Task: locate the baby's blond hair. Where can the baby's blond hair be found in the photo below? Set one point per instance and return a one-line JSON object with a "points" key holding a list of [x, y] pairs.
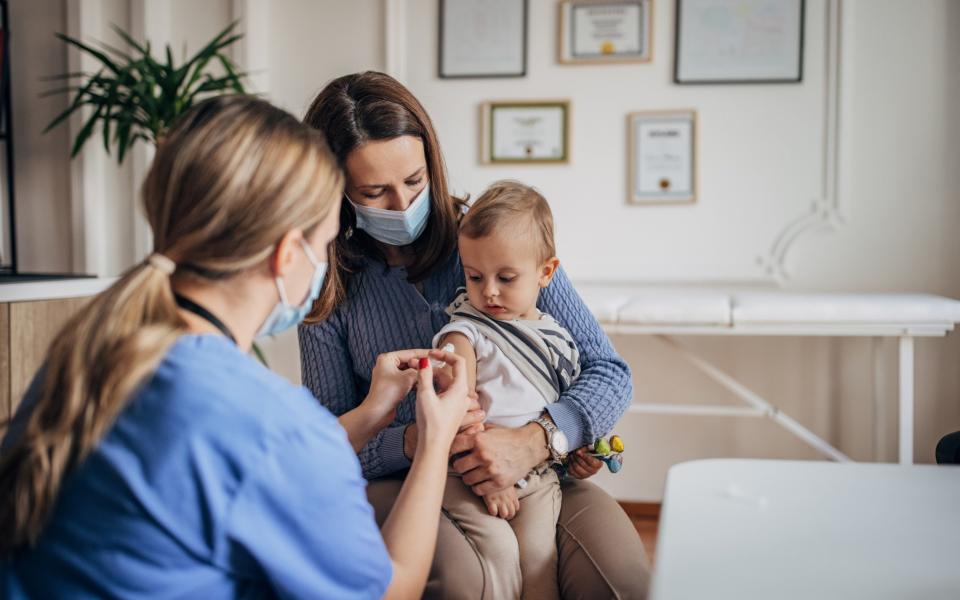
{"points": [[512, 204]]}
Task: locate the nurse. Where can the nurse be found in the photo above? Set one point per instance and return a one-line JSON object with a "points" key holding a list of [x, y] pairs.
{"points": [[152, 457]]}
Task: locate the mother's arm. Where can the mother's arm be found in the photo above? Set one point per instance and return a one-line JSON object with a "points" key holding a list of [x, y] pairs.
{"points": [[327, 371], [603, 391]]}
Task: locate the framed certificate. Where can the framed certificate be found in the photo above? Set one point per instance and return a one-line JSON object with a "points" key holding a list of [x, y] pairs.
{"points": [[750, 41], [526, 132], [593, 31], [663, 157], [483, 38]]}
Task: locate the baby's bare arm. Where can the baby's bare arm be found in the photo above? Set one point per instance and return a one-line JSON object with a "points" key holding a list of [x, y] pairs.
{"points": [[462, 347]]}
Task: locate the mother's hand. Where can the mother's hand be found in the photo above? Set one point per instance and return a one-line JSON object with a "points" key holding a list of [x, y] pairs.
{"points": [[499, 457]]}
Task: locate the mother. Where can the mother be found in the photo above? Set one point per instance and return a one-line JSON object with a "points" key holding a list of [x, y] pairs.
{"points": [[397, 268]]}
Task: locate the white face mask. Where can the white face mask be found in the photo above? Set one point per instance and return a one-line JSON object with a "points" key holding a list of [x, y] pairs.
{"points": [[395, 227]]}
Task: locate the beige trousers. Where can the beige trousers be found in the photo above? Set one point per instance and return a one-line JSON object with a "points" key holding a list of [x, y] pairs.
{"points": [[600, 554], [520, 554]]}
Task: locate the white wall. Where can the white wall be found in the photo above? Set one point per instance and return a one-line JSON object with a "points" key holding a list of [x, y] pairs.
{"points": [[313, 42], [759, 146], [762, 164]]}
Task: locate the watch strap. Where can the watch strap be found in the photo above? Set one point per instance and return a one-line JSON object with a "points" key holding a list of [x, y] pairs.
{"points": [[550, 428]]}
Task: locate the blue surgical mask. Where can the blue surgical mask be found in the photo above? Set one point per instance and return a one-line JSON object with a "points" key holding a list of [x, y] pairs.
{"points": [[285, 315], [395, 227]]}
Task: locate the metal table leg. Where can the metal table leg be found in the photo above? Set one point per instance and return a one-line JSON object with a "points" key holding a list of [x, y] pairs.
{"points": [[906, 400]]}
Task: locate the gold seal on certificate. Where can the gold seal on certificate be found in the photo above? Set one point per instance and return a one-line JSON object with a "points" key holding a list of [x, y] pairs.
{"points": [[662, 157], [593, 31], [526, 132]]}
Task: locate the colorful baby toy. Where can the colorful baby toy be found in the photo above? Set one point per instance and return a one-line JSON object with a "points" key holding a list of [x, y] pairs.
{"points": [[609, 451]]}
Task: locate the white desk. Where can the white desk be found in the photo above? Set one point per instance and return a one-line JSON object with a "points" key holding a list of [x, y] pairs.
{"points": [[677, 311], [764, 529]]}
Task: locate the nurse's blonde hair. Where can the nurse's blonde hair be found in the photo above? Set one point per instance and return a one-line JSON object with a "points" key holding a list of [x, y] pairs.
{"points": [[227, 183]]}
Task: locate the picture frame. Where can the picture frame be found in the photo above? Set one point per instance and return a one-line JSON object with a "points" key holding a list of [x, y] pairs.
{"points": [[525, 132], [482, 38], [662, 157], [595, 32], [755, 41]]}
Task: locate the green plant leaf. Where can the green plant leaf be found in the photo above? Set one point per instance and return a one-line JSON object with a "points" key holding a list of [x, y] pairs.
{"points": [[199, 61], [216, 43], [85, 131], [90, 50], [258, 352], [136, 96], [117, 51], [58, 91], [123, 140], [78, 101], [63, 76], [235, 82], [128, 39]]}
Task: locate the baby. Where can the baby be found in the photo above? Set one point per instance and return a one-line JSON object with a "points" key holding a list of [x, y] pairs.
{"points": [[519, 360]]}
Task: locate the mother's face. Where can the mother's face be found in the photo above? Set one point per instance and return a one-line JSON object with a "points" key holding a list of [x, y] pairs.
{"points": [[387, 174]]}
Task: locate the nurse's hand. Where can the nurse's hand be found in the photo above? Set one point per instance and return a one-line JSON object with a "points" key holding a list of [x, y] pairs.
{"points": [[472, 423], [393, 376], [439, 415]]}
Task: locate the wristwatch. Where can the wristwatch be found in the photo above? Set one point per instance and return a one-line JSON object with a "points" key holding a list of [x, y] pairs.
{"points": [[557, 442]]}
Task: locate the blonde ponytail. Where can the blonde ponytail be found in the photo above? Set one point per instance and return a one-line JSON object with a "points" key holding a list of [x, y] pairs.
{"points": [[92, 368], [227, 183]]}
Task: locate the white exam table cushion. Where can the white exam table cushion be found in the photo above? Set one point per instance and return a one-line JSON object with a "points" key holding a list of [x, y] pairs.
{"points": [[657, 306], [791, 307], [711, 307], [604, 302], [677, 308]]}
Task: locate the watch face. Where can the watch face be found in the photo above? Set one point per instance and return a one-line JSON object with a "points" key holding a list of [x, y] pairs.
{"points": [[559, 442]]}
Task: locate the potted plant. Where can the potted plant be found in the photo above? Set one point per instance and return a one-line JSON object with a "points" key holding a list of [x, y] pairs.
{"points": [[137, 97]]}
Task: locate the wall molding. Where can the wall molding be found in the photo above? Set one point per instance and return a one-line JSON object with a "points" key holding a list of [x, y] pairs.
{"points": [[252, 51], [87, 175], [395, 38], [149, 20], [824, 212]]}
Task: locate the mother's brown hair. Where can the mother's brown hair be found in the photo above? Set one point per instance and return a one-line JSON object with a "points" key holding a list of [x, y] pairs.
{"points": [[228, 182], [351, 111]]}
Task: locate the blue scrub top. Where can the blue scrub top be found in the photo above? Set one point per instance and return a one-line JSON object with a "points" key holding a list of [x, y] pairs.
{"points": [[218, 480]]}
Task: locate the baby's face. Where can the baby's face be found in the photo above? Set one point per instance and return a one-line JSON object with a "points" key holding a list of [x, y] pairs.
{"points": [[504, 275]]}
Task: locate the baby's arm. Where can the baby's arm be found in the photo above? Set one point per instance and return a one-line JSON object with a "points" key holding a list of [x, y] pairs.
{"points": [[462, 347], [503, 504]]}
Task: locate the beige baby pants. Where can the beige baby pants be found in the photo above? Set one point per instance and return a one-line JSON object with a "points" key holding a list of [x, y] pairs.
{"points": [[520, 554]]}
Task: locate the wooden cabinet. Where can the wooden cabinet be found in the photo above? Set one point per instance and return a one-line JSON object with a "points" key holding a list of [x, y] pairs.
{"points": [[26, 330]]}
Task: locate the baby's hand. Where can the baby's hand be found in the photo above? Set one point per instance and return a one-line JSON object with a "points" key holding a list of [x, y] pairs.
{"points": [[503, 504]]}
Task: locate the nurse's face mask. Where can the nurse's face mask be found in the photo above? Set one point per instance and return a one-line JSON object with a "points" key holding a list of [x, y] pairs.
{"points": [[395, 227], [285, 315]]}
